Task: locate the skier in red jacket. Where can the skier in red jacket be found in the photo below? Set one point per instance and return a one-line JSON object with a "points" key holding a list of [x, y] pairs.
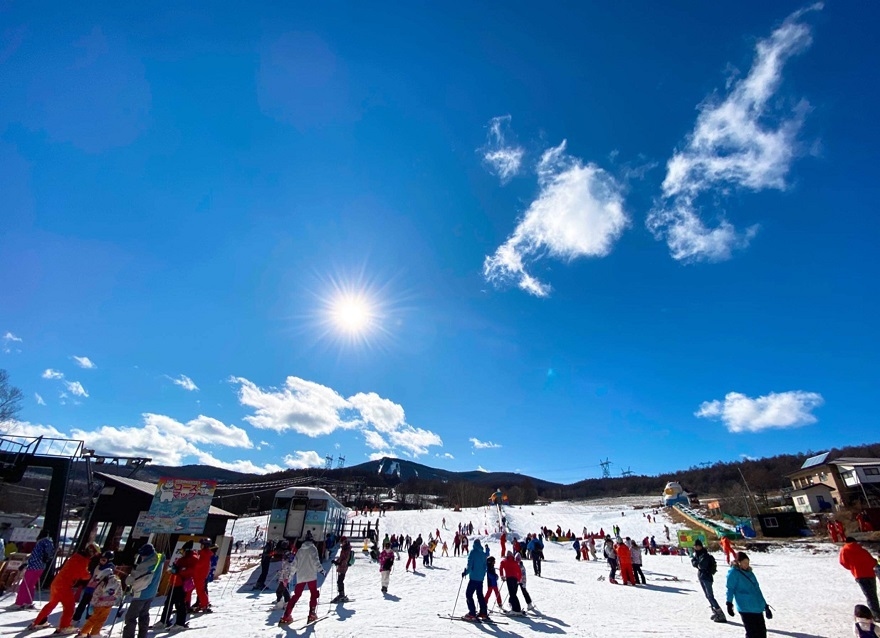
{"points": [[861, 564], [624, 560]]}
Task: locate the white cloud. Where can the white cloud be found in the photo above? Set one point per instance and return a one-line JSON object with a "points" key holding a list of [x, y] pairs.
{"points": [[378, 456], [202, 429], [740, 413], [40, 400], [314, 410], [503, 158], [8, 339], [26, 429], [578, 213], [480, 468], [445, 455], [300, 460], [76, 389], [49, 373], [184, 382], [383, 414], [741, 140], [374, 440], [248, 467], [84, 362], [415, 440], [483, 445], [302, 406]]}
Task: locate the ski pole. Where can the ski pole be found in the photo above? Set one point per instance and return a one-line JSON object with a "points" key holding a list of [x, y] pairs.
{"points": [[116, 617], [456, 596]]}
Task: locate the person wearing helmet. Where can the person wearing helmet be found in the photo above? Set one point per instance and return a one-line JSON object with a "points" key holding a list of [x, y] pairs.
{"points": [[98, 563]]}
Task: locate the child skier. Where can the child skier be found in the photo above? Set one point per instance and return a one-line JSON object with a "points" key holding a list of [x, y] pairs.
{"points": [[492, 581], [107, 592], [522, 583], [386, 562], [865, 627], [283, 590], [624, 559], [637, 563]]}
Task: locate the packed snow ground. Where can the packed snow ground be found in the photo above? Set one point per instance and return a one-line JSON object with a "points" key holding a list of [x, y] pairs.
{"points": [[812, 595]]}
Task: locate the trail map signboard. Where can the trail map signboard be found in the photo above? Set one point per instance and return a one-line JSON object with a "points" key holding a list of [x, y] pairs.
{"points": [[686, 538], [180, 506]]}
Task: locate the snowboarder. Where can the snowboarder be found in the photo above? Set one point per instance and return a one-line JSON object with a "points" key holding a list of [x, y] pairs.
{"points": [[706, 568], [342, 562], [306, 567], [476, 572], [742, 586], [386, 562], [861, 564], [144, 584]]}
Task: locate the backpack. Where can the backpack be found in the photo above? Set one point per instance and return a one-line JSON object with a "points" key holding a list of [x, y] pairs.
{"points": [[711, 565], [350, 559]]}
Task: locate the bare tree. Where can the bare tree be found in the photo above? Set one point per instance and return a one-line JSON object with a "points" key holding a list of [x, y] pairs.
{"points": [[10, 400]]}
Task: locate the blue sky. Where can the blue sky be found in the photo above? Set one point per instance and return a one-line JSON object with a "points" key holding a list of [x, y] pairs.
{"points": [[521, 237]]}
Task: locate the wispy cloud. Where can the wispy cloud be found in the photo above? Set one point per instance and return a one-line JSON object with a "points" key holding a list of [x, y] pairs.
{"points": [[84, 362], [743, 140], [578, 213], [445, 455], [480, 468], [76, 389], [483, 445], [503, 158], [741, 413], [8, 339], [184, 382], [315, 410], [39, 399], [49, 373]]}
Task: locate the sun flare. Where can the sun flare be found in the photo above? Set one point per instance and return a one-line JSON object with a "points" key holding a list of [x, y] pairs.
{"points": [[352, 314]]}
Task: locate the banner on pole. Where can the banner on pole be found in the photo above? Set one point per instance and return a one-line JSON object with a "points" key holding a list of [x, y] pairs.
{"points": [[686, 538], [180, 506]]}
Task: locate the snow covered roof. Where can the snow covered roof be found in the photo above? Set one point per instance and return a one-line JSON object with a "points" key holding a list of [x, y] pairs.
{"points": [[150, 488]]}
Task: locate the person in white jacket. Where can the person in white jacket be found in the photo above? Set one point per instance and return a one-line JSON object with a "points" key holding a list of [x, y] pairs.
{"points": [[306, 567], [637, 562]]}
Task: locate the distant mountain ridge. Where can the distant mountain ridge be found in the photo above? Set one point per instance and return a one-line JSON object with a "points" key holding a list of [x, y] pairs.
{"points": [[404, 470]]}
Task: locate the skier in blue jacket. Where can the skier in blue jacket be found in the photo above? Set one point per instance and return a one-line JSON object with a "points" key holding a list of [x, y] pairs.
{"points": [[476, 572], [742, 586]]}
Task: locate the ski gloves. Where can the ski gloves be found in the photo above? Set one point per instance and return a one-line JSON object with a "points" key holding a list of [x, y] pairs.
{"points": [[730, 609], [768, 613]]}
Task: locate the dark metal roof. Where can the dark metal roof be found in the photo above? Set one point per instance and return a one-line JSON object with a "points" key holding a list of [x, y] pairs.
{"points": [[150, 488]]}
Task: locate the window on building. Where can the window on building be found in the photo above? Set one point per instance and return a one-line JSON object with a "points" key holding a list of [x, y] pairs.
{"points": [[771, 521], [801, 500], [845, 475], [872, 471]]}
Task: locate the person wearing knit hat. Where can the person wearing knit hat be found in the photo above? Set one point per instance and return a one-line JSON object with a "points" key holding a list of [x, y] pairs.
{"points": [[143, 583], [706, 568], [743, 587]]}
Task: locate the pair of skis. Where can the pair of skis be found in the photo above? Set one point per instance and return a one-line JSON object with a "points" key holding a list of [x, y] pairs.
{"points": [[487, 621]]}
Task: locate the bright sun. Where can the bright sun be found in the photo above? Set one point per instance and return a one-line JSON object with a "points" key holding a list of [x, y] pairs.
{"points": [[352, 314]]}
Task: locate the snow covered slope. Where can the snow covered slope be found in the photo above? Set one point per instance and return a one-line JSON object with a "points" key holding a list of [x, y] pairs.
{"points": [[813, 596]]}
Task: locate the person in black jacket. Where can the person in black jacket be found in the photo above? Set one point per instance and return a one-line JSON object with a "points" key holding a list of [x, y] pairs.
{"points": [[265, 559], [706, 568], [413, 553]]}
